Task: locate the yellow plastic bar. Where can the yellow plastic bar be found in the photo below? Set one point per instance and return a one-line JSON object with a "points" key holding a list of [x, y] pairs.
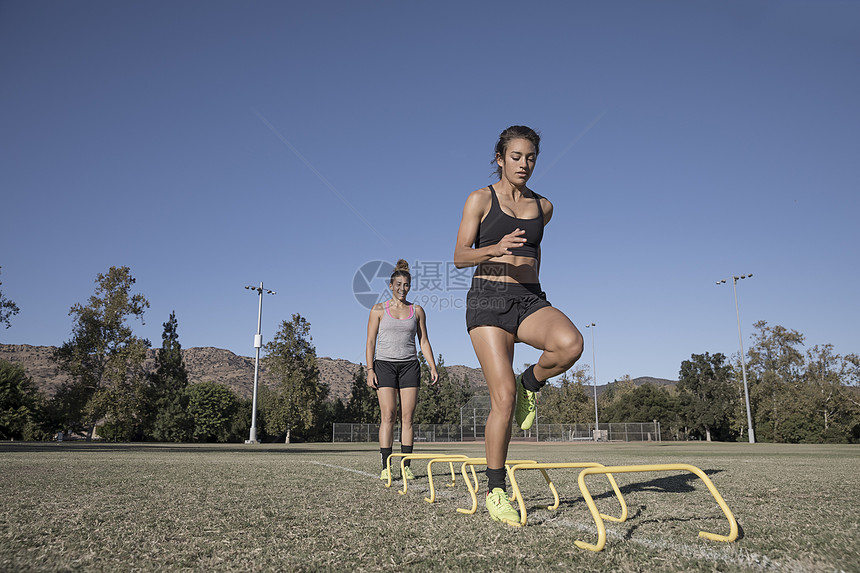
{"points": [[471, 463], [388, 465], [561, 465], [598, 521], [447, 458], [431, 457], [414, 456]]}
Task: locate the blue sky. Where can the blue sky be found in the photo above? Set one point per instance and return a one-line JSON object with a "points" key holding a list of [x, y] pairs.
{"points": [[210, 145]]}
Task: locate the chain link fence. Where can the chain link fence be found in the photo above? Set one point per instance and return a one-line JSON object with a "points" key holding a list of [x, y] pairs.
{"points": [[473, 418], [473, 430]]}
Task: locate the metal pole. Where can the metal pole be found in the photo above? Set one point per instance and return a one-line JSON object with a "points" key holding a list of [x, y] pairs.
{"points": [[735, 279], [594, 380], [258, 343], [743, 362]]}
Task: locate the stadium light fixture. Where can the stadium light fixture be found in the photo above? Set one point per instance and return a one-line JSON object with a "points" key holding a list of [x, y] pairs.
{"points": [[735, 279], [593, 378], [258, 343]]}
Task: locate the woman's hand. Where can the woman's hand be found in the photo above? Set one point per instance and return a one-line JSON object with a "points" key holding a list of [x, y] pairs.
{"points": [[434, 376], [510, 241], [372, 382]]}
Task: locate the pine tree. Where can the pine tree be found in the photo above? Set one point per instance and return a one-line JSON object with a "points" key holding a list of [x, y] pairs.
{"points": [[427, 408], [453, 393], [363, 405], [169, 418], [440, 403]]}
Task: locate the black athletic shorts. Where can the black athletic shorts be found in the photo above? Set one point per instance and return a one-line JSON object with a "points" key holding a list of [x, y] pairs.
{"points": [[506, 305], [397, 374]]}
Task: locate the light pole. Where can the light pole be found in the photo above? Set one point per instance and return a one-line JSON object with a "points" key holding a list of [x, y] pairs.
{"points": [[735, 280], [258, 343], [594, 378]]}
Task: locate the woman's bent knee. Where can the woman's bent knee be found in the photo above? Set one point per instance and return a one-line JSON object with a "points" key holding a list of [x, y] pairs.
{"points": [[569, 350]]}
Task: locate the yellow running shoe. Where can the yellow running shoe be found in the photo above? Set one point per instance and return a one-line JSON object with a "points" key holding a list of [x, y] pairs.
{"points": [[526, 408], [384, 476], [407, 473], [500, 507]]}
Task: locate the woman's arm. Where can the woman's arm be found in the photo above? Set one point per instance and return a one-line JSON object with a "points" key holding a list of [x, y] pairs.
{"points": [[465, 255], [370, 350], [547, 210], [424, 342], [546, 207]]}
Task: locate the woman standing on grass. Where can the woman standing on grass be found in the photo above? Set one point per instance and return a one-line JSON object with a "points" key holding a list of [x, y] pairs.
{"points": [[393, 369], [500, 234]]}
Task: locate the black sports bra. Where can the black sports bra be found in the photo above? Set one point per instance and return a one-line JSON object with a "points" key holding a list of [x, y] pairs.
{"points": [[497, 224]]}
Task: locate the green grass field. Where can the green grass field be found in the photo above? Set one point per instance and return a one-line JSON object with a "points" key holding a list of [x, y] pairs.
{"points": [[311, 507]]}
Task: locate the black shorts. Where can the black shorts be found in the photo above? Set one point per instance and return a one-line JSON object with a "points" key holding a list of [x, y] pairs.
{"points": [[505, 305], [397, 374]]}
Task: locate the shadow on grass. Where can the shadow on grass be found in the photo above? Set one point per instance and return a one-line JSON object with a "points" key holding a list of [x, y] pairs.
{"points": [[720, 519], [682, 483]]}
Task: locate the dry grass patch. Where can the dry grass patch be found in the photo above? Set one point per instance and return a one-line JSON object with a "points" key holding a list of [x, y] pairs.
{"points": [[311, 507]]}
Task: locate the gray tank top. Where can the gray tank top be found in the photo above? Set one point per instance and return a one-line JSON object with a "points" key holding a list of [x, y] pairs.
{"points": [[395, 341]]}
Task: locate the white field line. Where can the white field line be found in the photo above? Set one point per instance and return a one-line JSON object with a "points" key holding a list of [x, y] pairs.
{"points": [[730, 555], [361, 473]]}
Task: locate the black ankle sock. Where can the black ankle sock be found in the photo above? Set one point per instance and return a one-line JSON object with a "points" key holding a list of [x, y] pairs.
{"points": [[384, 453], [406, 450], [530, 382], [496, 478]]}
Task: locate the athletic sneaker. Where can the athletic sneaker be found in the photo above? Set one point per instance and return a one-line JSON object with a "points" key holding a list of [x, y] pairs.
{"points": [[384, 475], [526, 408], [407, 473], [500, 507]]}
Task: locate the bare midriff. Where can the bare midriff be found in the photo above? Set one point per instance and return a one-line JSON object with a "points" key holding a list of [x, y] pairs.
{"points": [[509, 269]]}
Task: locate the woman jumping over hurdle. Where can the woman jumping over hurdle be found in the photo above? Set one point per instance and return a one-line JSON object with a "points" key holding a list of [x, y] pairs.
{"points": [[393, 369], [500, 234]]}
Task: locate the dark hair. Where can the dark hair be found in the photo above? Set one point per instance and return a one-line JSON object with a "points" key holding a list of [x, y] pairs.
{"points": [[511, 133], [401, 269]]}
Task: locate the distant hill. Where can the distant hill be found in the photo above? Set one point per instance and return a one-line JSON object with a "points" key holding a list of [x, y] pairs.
{"points": [[668, 384], [207, 364], [656, 381]]}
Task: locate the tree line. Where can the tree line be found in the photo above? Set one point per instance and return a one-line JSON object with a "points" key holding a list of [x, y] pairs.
{"points": [[110, 393], [794, 396]]}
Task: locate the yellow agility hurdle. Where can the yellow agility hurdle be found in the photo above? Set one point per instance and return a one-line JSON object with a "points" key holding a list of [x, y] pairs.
{"points": [[598, 520], [416, 456], [432, 457], [471, 463], [432, 497], [561, 465]]}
